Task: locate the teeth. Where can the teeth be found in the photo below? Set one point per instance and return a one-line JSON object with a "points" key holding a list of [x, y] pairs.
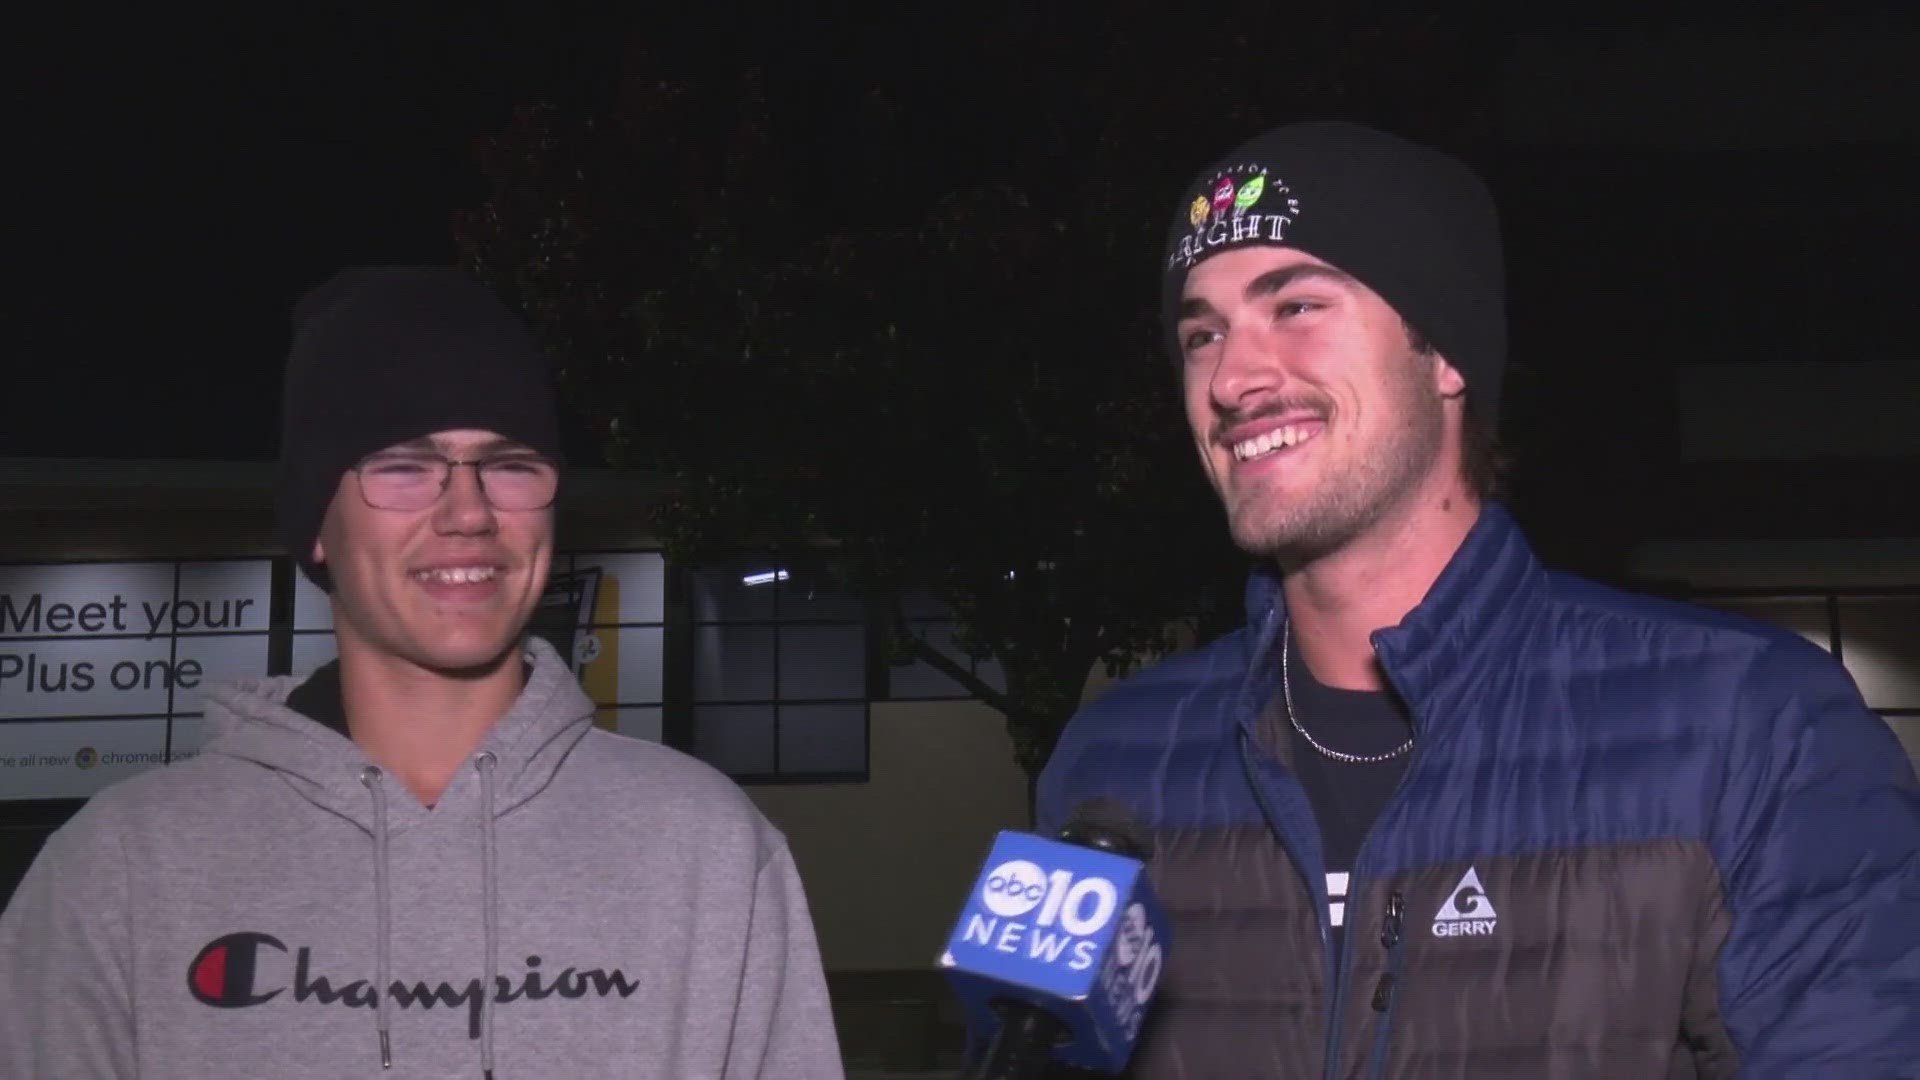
{"points": [[457, 575], [1280, 438]]}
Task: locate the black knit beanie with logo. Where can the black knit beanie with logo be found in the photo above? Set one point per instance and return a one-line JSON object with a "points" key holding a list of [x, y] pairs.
{"points": [[384, 355], [1413, 224]]}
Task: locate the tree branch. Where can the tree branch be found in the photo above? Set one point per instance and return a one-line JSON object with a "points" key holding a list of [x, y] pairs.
{"points": [[1105, 643], [971, 683], [968, 681], [1084, 638]]}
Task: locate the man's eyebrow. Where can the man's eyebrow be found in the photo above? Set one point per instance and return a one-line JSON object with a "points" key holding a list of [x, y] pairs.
{"points": [[1193, 307], [1271, 282], [1274, 281]]}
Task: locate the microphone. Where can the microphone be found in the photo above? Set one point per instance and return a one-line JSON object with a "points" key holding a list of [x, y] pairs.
{"points": [[1059, 947]]}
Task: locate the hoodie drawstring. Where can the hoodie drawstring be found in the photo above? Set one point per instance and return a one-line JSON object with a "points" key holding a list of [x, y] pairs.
{"points": [[370, 777], [489, 883]]}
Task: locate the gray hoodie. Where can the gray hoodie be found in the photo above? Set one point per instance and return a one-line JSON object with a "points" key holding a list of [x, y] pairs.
{"points": [[231, 915]]}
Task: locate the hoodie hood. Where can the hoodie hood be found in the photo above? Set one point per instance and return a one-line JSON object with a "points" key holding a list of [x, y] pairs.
{"points": [[248, 719]]}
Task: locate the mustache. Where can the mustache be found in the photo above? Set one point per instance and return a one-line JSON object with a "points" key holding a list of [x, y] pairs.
{"points": [[1226, 421]]}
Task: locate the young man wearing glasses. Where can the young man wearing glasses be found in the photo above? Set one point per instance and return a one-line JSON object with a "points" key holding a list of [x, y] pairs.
{"points": [[424, 855]]}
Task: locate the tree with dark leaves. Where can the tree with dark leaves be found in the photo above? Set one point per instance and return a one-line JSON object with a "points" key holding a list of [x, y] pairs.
{"points": [[962, 392]]}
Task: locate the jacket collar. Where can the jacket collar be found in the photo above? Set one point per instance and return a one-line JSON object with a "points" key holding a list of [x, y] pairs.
{"points": [[1481, 602]]}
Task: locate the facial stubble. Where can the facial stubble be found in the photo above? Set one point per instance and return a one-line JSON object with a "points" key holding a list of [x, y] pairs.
{"points": [[1363, 479]]}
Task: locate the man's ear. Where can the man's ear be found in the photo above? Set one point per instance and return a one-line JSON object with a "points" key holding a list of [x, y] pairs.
{"points": [[319, 553], [1447, 379]]}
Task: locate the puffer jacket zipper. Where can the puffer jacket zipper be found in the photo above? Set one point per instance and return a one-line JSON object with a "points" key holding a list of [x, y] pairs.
{"points": [[1356, 886], [1336, 991], [1387, 991], [1316, 877]]}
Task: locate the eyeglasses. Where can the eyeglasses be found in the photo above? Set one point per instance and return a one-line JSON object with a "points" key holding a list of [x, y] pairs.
{"points": [[411, 480]]}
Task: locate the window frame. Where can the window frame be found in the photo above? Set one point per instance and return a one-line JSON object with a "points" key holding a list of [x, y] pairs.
{"points": [[1831, 597], [686, 625]]}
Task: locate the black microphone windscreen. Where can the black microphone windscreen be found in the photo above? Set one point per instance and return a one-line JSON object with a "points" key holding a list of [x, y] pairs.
{"points": [[1105, 824]]}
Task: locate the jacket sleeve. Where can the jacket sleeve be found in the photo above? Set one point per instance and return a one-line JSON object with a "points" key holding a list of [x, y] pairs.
{"points": [[65, 954], [785, 1029], [1818, 838]]}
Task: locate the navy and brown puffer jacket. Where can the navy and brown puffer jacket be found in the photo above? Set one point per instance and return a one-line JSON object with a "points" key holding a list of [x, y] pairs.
{"points": [[1636, 840]]}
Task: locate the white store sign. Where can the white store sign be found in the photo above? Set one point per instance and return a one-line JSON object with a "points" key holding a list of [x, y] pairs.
{"points": [[105, 655], [102, 664]]}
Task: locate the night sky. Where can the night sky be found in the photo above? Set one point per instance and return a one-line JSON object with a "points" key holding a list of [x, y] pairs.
{"points": [[179, 183], [176, 185], [179, 186]]}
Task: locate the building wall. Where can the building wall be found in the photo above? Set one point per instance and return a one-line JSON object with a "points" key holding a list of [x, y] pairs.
{"points": [[888, 862]]}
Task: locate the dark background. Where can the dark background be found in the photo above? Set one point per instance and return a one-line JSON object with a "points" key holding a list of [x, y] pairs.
{"points": [[177, 185], [176, 182], [1677, 201]]}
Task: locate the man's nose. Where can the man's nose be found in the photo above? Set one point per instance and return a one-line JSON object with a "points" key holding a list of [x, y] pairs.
{"points": [[464, 506], [1248, 368]]}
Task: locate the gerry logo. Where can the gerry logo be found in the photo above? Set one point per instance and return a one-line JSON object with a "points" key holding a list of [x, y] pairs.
{"points": [[1467, 912]]}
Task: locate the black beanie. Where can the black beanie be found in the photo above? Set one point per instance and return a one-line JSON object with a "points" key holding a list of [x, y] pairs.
{"points": [[1413, 224], [383, 355]]}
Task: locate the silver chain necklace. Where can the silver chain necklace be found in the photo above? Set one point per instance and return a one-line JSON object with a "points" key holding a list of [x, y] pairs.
{"points": [[1286, 688]]}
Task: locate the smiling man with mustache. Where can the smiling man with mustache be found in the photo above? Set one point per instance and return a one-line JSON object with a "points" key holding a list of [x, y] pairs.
{"points": [[1437, 811], [424, 859]]}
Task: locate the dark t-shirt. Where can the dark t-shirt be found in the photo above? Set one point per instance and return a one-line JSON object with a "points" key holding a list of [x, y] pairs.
{"points": [[1347, 797], [318, 698]]}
